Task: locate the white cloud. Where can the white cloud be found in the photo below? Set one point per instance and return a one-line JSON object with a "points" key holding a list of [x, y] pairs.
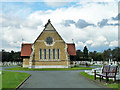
{"points": [[88, 42], [113, 43], [55, 3], [85, 12], [106, 43], [30, 27], [98, 41], [17, 22], [80, 45]]}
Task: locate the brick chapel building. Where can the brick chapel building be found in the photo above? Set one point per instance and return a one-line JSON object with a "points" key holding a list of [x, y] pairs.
{"points": [[49, 50]]}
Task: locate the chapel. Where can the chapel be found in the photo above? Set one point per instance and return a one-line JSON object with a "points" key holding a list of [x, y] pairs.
{"points": [[49, 50]]}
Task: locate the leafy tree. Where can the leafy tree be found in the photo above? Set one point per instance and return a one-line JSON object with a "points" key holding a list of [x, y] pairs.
{"points": [[99, 57], [107, 54], [85, 52], [11, 56], [93, 55], [116, 54], [79, 55]]}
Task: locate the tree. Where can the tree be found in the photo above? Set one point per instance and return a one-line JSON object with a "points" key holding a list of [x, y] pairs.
{"points": [[79, 55], [107, 54], [116, 54], [93, 55], [5, 56], [85, 53], [11, 56], [99, 57]]}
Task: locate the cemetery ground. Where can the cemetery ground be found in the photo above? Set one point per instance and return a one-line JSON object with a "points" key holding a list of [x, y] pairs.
{"points": [[49, 69], [0, 81], [74, 74], [110, 84], [12, 79]]}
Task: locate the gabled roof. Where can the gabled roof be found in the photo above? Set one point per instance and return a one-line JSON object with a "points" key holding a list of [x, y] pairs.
{"points": [[71, 49], [26, 49], [47, 26]]}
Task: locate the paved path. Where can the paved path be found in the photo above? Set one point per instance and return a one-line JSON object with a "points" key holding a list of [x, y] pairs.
{"points": [[58, 79]]}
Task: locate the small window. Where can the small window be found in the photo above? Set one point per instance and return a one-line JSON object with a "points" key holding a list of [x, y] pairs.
{"points": [[40, 53], [58, 53], [44, 53], [53, 53], [49, 53]]}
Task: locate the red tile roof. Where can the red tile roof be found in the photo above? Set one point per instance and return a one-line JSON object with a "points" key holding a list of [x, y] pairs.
{"points": [[71, 49], [26, 49]]}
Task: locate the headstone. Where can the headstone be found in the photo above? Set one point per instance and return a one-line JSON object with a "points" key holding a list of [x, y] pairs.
{"points": [[0, 63]]}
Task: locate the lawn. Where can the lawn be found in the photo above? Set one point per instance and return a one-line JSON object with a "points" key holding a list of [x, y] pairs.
{"points": [[97, 65], [91, 77], [8, 65], [12, 79], [49, 69], [0, 81]]}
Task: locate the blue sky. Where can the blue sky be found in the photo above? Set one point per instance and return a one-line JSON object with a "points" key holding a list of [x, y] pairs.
{"points": [[11, 7], [90, 23]]}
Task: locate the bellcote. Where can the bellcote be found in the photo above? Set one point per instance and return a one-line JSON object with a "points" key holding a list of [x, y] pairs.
{"points": [[48, 26]]}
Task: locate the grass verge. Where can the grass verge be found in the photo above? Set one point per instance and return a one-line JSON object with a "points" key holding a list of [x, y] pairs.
{"points": [[8, 65], [97, 65], [49, 69], [110, 85], [0, 81], [12, 79]]}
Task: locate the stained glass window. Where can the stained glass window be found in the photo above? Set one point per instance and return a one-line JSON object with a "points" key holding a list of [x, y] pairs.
{"points": [[58, 53], [49, 53], [40, 53], [49, 40], [53, 53], [45, 54]]}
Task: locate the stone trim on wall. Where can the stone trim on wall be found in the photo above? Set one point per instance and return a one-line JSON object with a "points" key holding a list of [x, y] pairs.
{"points": [[50, 66], [25, 65], [54, 41], [50, 60]]}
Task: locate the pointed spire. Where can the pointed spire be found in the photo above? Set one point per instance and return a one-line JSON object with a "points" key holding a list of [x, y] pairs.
{"points": [[47, 22]]}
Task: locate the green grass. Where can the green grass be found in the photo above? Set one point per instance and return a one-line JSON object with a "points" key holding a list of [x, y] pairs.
{"points": [[49, 69], [8, 65], [118, 64], [0, 81], [97, 65], [91, 77], [12, 79]]}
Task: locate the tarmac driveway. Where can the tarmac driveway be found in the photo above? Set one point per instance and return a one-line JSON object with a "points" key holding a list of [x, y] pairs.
{"points": [[58, 79]]}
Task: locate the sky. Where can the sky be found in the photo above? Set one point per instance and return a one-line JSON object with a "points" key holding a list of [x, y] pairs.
{"points": [[91, 23]]}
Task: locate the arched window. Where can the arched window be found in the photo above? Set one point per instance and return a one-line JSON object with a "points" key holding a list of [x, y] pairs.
{"points": [[40, 53]]}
